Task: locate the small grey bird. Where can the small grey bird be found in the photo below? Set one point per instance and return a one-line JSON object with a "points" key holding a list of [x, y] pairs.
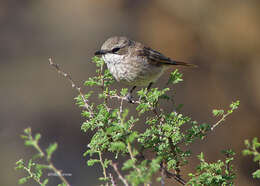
{"points": [[133, 63]]}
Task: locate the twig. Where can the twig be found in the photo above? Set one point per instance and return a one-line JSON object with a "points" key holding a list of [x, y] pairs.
{"points": [[33, 176], [133, 158], [175, 176], [123, 99], [172, 175], [221, 120], [112, 180], [102, 164], [119, 174], [58, 172], [68, 77], [172, 147], [163, 175], [121, 106], [43, 154]]}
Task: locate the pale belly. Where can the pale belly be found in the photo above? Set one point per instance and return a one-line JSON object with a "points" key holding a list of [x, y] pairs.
{"points": [[136, 72]]}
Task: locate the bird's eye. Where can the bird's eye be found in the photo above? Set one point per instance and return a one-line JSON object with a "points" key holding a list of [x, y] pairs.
{"points": [[114, 50]]}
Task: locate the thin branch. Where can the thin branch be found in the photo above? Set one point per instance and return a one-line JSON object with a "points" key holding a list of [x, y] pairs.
{"points": [[43, 154], [119, 174], [123, 99], [121, 106], [221, 120], [175, 176], [68, 77], [112, 180], [32, 175], [163, 175], [102, 164], [172, 147], [172, 175], [133, 158], [58, 172]]}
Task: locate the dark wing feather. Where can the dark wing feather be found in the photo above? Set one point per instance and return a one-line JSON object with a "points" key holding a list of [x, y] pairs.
{"points": [[159, 58]]}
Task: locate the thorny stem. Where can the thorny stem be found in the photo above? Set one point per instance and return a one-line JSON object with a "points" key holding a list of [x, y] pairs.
{"points": [[112, 180], [123, 98], [121, 106], [102, 164], [68, 77], [33, 175], [176, 177], [119, 174], [100, 75], [221, 120], [132, 157], [163, 176], [58, 172], [50, 165], [134, 160], [172, 147], [35, 144], [166, 173]]}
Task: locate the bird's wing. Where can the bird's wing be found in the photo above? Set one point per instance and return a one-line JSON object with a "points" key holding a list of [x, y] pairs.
{"points": [[158, 58]]}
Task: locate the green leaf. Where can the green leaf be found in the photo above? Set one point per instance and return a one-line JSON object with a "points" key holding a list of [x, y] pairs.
{"points": [[201, 156], [24, 137], [175, 77], [45, 182], [91, 162], [103, 179], [256, 174], [117, 146], [50, 150], [234, 105], [129, 164], [20, 164], [257, 158], [132, 137], [217, 112], [29, 143], [23, 180], [247, 143], [28, 131], [124, 91], [255, 142], [37, 137]]}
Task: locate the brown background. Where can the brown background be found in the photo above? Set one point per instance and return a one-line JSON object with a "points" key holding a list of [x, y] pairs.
{"points": [[222, 37]]}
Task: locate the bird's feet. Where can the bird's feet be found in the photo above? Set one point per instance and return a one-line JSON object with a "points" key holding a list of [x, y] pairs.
{"points": [[129, 98]]}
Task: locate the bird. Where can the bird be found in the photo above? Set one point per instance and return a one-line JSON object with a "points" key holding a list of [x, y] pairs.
{"points": [[133, 63]]}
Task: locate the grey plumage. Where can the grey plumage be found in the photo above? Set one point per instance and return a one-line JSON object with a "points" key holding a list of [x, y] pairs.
{"points": [[133, 63]]}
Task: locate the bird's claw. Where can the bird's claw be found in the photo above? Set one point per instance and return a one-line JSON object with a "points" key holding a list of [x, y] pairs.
{"points": [[129, 98]]}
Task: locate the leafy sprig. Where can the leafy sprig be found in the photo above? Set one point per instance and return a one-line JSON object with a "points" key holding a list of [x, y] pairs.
{"points": [[117, 141], [218, 173], [115, 132], [252, 149], [32, 167]]}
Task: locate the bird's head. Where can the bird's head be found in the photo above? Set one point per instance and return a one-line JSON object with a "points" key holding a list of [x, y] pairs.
{"points": [[114, 45]]}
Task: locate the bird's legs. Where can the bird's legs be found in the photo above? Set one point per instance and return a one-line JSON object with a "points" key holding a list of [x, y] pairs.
{"points": [[149, 86], [129, 95]]}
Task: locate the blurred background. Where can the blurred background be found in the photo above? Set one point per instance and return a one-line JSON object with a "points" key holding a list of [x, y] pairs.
{"points": [[221, 37]]}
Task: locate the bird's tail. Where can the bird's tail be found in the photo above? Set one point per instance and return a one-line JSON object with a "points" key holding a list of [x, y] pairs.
{"points": [[183, 64]]}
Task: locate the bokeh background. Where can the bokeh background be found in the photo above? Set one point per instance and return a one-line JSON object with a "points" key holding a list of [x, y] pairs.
{"points": [[221, 37]]}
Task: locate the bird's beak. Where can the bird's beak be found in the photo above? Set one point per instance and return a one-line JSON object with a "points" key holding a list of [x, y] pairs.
{"points": [[101, 52]]}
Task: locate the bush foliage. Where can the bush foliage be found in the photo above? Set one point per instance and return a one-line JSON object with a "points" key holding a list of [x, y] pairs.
{"points": [[120, 146]]}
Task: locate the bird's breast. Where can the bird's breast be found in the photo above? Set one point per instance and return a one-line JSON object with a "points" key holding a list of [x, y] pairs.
{"points": [[132, 70]]}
